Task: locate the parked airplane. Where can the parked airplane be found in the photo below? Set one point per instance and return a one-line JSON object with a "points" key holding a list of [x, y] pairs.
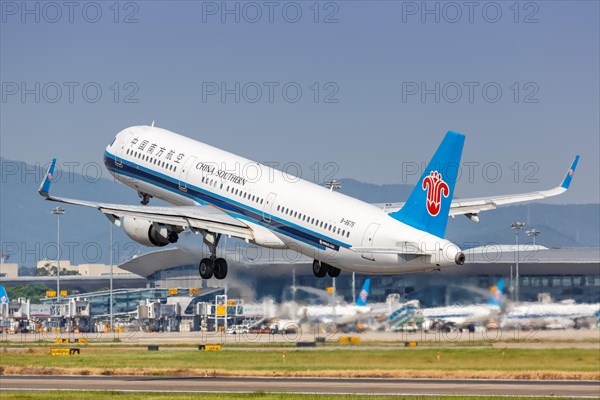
{"points": [[218, 193], [339, 313], [561, 315], [467, 314]]}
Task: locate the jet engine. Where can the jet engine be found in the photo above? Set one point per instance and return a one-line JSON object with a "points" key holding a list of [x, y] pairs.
{"points": [[148, 233]]}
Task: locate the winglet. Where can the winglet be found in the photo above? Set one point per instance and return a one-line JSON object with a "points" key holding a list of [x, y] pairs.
{"points": [[45, 185], [569, 176]]}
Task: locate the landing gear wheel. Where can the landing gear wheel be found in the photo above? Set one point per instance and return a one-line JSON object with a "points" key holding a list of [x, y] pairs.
{"points": [[333, 271], [319, 269], [220, 268], [145, 198], [173, 237], [206, 268]]}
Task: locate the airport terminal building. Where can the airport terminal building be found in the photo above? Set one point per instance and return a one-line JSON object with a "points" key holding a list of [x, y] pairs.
{"points": [[563, 274]]}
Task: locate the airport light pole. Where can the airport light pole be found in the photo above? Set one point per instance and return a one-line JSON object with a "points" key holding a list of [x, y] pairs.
{"points": [[517, 226], [533, 233], [110, 258], [353, 287], [294, 284], [58, 211]]}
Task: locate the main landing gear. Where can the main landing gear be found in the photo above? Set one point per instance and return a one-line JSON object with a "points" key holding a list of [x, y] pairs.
{"points": [[212, 265], [320, 269]]}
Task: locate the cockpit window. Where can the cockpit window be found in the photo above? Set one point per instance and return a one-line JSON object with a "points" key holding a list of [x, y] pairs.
{"points": [[111, 143]]}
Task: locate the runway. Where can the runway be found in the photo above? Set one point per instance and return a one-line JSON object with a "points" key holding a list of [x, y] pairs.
{"points": [[304, 385]]}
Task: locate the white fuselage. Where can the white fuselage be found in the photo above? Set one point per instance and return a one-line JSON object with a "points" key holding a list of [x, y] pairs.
{"points": [[551, 314], [460, 315], [283, 211]]}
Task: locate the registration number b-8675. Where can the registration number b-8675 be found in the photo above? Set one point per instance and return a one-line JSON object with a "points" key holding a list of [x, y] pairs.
{"points": [[347, 222]]}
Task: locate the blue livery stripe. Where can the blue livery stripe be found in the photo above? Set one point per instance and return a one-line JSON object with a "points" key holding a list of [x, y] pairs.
{"points": [[230, 206]]}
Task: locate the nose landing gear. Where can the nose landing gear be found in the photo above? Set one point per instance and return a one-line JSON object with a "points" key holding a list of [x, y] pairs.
{"points": [[145, 198]]}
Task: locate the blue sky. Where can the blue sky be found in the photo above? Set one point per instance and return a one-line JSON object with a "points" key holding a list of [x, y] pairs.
{"points": [[367, 61]]}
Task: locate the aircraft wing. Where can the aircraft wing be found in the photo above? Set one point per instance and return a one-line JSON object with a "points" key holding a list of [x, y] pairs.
{"points": [[472, 207], [402, 248], [201, 217]]}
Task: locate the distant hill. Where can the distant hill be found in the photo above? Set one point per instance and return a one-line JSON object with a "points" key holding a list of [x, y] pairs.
{"points": [[28, 230]]}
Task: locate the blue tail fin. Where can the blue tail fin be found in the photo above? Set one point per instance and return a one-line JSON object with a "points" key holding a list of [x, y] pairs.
{"points": [[363, 295], [428, 206], [496, 293], [3, 295]]}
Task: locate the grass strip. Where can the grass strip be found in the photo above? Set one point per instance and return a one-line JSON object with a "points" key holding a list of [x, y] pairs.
{"points": [[94, 395]]}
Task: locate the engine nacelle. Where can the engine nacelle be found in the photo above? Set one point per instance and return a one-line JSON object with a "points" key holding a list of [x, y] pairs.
{"points": [[149, 234]]}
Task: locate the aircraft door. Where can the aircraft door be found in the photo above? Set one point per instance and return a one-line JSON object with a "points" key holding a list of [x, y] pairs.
{"points": [[184, 173], [268, 207], [122, 145], [368, 239]]}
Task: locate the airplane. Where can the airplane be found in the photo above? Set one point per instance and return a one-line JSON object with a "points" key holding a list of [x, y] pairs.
{"points": [[216, 193], [558, 315], [468, 314], [339, 313]]}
